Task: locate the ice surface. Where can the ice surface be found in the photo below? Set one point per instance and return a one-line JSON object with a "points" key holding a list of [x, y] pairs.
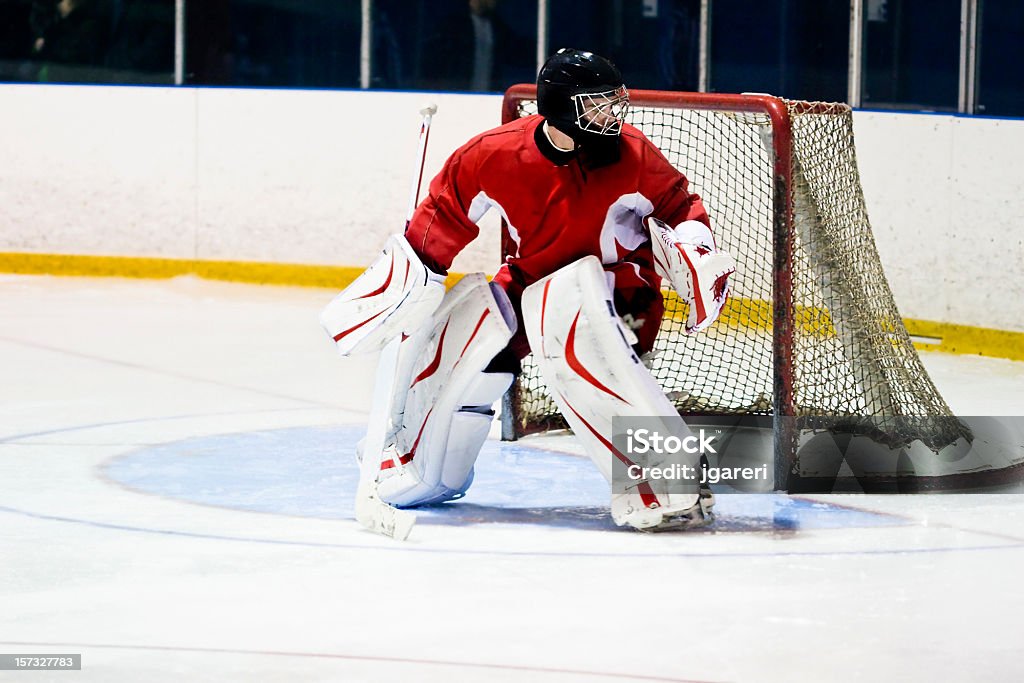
{"points": [[175, 487]]}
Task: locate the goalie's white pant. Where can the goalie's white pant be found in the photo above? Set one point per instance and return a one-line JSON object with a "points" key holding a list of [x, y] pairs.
{"points": [[585, 357], [446, 412]]}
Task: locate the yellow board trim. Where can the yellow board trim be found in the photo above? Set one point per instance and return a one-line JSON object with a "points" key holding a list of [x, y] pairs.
{"points": [[261, 273], [756, 314], [964, 339], [937, 336]]}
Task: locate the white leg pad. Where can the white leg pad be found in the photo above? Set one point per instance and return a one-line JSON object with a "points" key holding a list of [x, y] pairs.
{"points": [[396, 294], [447, 409], [593, 374]]}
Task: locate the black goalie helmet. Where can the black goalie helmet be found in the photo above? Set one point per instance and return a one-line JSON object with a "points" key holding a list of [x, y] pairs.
{"points": [[583, 95]]}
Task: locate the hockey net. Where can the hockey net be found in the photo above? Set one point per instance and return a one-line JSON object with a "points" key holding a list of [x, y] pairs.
{"points": [[811, 329]]}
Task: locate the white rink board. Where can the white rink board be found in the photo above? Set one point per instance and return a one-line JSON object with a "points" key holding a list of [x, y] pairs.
{"points": [[314, 177], [321, 177], [944, 197]]}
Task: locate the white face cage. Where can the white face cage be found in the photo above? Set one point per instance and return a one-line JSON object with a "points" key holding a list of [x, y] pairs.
{"points": [[602, 112]]}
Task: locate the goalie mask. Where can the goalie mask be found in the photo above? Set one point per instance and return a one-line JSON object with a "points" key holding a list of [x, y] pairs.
{"points": [[582, 95]]}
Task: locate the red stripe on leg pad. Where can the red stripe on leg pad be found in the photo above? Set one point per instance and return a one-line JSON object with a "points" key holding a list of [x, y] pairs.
{"points": [[387, 281], [574, 362], [388, 464], [543, 311], [434, 364], [350, 330], [416, 444], [475, 330], [647, 496]]}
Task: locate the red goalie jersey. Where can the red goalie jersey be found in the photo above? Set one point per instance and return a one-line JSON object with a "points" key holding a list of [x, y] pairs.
{"points": [[557, 211]]}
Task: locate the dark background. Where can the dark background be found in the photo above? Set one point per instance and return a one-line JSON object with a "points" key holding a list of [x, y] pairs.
{"points": [[792, 48]]}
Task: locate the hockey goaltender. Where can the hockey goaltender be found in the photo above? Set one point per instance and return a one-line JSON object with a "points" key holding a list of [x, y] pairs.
{"points": [[599, 217]]}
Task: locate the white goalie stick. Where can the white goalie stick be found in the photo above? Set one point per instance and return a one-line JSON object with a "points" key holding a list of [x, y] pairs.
{"points": [[427, 112], [372, 512]]}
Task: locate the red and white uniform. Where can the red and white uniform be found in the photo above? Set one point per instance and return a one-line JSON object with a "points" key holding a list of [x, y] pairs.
{"points": [[557, 212]]}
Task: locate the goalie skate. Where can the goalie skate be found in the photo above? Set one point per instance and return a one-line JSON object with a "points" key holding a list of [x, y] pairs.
{"points": [[697, 516], [625, 510]]}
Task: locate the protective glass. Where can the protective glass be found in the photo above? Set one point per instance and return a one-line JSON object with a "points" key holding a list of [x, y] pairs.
{"points": [[602, 112]]}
